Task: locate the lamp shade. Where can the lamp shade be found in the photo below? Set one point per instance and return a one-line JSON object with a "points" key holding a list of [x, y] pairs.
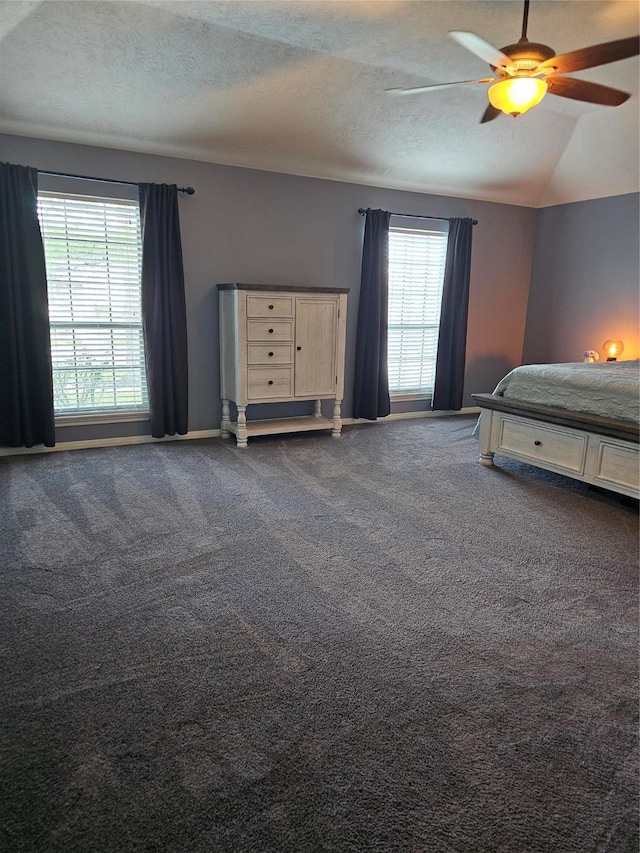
{"points": [[612, 349], [517, 94]]}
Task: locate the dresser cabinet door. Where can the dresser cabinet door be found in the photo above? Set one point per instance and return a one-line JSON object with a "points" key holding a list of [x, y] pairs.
{"points": [[315, 342]]}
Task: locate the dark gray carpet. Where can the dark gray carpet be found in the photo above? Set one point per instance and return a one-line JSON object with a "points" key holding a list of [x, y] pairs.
{"points": [[371, 644]]}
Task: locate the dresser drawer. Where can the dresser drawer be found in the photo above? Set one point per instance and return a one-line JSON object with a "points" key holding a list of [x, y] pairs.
{"points": [[618, 465], [263, 330], [269, 354], [541, 443], [269, 306], [264, 383]]}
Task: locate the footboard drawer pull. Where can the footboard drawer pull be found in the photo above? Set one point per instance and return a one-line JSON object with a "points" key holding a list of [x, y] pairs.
{"points": [[537, 443]]}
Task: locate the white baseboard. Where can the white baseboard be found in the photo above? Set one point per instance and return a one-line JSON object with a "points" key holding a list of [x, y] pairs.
{"points": [[121, 441], [201, 433], [402, 416]]}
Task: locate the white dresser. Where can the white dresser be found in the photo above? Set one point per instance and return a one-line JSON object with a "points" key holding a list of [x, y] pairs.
{"points": [[281, 344]]}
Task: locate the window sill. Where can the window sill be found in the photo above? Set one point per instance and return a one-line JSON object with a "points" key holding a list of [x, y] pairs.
{"points": [[401, 396], [86, 419]]}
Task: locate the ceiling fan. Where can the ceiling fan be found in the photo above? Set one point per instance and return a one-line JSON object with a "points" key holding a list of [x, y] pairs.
{"points": [[527, 70]]}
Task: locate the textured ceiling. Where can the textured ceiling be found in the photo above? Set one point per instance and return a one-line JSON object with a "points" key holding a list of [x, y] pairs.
{"points": [[298, 87]]}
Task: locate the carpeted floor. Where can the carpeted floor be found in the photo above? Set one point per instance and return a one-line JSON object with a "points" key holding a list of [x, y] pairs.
{"points": [[366, 645]]}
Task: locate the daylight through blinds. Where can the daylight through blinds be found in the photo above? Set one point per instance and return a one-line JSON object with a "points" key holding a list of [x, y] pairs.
{"points": [[416, 273], [93, 255]]}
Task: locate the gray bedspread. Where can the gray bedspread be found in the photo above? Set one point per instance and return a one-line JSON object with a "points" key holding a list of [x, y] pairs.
{"points": [[610, 389]]}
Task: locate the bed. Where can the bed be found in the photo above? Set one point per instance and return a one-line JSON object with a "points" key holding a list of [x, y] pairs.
{"points": [[581, 420]]}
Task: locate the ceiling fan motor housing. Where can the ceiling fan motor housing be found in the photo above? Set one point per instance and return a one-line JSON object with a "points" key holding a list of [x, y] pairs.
{"points": [[525, 55]]}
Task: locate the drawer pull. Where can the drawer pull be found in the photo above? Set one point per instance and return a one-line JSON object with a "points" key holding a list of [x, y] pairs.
{"points": [[270, 354], [270, 307], [537, 443], [298, 348], [270, 331], [271, 382]]}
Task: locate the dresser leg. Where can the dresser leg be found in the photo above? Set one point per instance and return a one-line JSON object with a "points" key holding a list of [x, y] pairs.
{"points": [[242, 434], [226, 419], [486, 459], [337, 423], [317, 412]]}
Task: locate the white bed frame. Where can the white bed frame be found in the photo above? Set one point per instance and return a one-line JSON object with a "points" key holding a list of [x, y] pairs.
{"points": [[596, 450]]}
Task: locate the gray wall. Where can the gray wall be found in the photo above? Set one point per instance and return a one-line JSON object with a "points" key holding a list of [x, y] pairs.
{"points": [[585, 280], [253, 226]]}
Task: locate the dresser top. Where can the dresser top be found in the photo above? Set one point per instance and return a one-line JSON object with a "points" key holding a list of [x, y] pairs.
{"points": [[287, 288]]}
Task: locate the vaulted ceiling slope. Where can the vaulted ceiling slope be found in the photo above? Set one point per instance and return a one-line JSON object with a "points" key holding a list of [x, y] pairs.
{"points": [[299, 87]]}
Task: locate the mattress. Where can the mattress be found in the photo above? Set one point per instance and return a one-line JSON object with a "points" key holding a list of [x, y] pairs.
{"points": [[610, 389]]}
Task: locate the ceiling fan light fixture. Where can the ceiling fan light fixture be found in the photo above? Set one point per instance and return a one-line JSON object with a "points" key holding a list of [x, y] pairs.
{"points": [[517, 95]]}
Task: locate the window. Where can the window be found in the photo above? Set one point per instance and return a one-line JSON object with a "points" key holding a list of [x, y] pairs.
{"points": [[417, 258], [93, 255]]}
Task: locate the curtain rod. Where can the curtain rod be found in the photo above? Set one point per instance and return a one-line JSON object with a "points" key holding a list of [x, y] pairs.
{"points": [[187, 190], [362, 212]]}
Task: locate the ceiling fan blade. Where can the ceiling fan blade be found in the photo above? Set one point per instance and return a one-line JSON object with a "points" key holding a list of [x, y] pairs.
{"points": [[414, 90], [590, 57], [489, 114], [583, 90], [481, 48]]}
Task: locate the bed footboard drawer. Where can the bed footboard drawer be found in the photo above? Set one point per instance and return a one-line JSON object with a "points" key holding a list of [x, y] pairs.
{"points": [[617, 465], [602, 451], [542, 444]]}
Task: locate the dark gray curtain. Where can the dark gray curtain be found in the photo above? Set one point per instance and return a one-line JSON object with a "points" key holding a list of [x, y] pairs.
{"points": [[371, 381], [163, 309], [26, 385], [452, 340]]}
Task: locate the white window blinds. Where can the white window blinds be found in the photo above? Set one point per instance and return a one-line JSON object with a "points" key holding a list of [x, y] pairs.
{"points": [[93, 257], [416, 272]]}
